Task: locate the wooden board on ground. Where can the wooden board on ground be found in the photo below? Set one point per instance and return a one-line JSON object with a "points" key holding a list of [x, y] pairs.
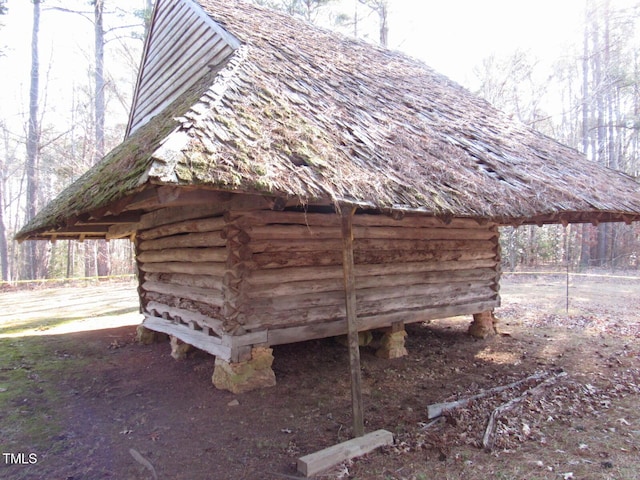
{"points": [[318, 462]]}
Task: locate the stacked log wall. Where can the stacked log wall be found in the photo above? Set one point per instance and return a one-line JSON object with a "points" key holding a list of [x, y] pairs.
{"points": [[223, 283], [182, 269], [408, 270]]}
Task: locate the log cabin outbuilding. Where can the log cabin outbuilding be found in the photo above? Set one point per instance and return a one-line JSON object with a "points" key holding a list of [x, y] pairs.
{"points": [[278, 179]]}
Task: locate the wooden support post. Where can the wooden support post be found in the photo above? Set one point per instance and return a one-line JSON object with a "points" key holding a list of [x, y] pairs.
{"points": [[352, 320]]}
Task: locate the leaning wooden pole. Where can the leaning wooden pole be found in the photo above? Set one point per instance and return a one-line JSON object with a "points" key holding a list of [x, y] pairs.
{"points": [[352, 320]]}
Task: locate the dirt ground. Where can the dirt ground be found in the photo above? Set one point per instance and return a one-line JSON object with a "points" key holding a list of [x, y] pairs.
{"points": [[80, 399]]}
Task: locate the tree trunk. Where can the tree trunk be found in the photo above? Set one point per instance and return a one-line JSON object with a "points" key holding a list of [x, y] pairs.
{"points": [[384, 23], [4, 247], [70, 254], [4, 251], [531, 251], [102, 261], [33, 258], [585, 248], [99, 81], [600, 153]]}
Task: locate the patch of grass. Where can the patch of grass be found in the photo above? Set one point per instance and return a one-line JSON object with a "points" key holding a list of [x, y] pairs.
{"points": [[23, 326], [31, 392], [46, 322]]}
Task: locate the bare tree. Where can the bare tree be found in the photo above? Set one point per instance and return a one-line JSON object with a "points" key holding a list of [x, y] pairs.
{"points": [[35, 265], [381, 8], [585, 250], [4, 159], [97, 257], [102, 260], [308, 9]]}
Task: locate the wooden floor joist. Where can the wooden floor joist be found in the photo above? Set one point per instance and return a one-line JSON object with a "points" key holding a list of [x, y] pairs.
{"points": [[318, 462]]}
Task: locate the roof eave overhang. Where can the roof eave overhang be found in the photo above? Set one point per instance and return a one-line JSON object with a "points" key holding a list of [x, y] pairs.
{"points": [[566, 218], [115, 222]]}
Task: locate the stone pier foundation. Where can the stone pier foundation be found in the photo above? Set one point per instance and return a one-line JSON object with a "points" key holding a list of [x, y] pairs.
{"points": [[483, 325], [179, 349], [248, 375], [392, 343], [146, 336]]}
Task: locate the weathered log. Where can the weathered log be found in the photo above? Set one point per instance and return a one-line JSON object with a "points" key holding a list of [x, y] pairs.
{"points": [[169, 215], [186, 316], [272, 290], [206, 239], [375, 245], [451, 296], [266, 217], [301, 232], [364, 244], [423, 233], [412, 256], [200, 340], [295, 245], [393, 297], [488, 439], [294, 258], [180, 203], [415, 267], [439, 291], [279, 232], [288, 333], [208, 296], [428, 313], [272, 287], [202, 308], [415, 221], [294, 274], [203, 268], [188, 226], [434, 277], [269, 290], [184, 255], [200, 281], [361, 220], [269, 317], [297, 259], [121, 230]]}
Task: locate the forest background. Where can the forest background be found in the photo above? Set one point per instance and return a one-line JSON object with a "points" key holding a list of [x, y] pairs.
{"points": [[65, 99]]}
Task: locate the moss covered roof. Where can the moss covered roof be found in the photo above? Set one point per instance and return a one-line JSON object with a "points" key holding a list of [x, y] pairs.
{"points": [[301, 112]]}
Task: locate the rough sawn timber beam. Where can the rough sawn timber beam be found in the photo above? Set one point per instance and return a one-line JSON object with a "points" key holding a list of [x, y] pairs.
{"points": [[318, 462], [352, 319]]}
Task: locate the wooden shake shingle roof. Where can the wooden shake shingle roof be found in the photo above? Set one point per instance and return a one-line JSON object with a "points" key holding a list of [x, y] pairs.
{"points": [[299, 112]]}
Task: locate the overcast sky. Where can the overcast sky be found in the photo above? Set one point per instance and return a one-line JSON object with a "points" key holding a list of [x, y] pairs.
{"points": [[452, 36]]}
